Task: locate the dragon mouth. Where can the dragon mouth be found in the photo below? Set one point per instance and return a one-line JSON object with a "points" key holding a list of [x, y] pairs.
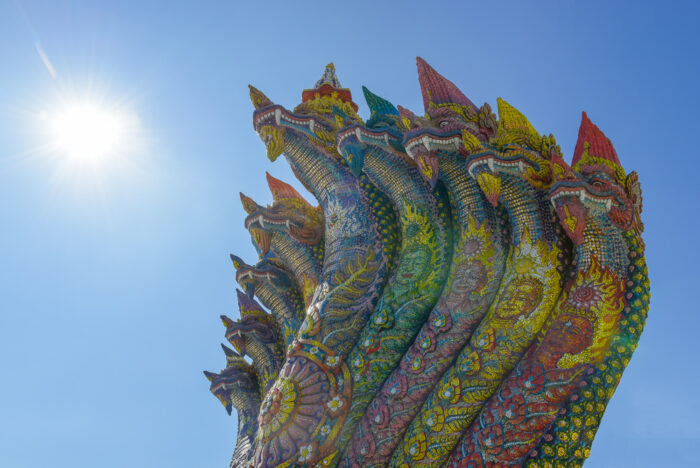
{"points": [[278, 116], [230, 381], [251, 275], [426, 142], [248, 327], [509, 164], [594, 202], [266, 223], [364, 135]]}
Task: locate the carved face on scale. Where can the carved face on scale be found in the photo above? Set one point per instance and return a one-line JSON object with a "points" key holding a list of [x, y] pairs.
{"points": [[569, 334], [596, 184], [520, 298], [340, 221], [470, 278], [413, 267]]}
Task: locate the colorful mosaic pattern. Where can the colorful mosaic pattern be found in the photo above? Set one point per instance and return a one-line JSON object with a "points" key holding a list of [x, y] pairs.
{"points": [[461, 295]]}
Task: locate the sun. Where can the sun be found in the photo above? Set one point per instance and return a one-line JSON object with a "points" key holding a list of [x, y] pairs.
{"points": [[88, 131]]}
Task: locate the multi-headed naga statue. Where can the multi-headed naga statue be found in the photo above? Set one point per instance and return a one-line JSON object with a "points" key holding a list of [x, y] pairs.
{"points": [[460, 296]]}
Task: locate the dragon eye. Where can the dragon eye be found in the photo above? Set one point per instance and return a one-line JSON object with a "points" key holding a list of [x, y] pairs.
{"points": [[444, 123], [597, 183]]}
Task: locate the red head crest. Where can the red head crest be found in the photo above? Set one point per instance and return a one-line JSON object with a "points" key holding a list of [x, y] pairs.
{"points": [[438, 89], [599, 145]]}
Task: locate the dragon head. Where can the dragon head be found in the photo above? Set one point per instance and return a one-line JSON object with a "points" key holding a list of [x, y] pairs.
{"points": [[452, 122], [315, 119], [290, 214], [254, 323], [595, 183], [235, 386], [516, 150], [381, 130], [269, 270]]}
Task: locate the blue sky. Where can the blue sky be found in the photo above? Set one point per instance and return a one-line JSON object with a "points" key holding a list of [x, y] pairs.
{"points": [[113, 275]]}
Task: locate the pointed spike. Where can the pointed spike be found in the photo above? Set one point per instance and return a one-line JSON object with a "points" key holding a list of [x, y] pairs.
{"points": [[561, 170], [227, 321], [329, 85], [378, 104], [511, 119], [229, 352], [211, 376], [329, 77], [247, 304], [599, 146], [282, 190], [408, 118], [249, 204], [438, 89], [258, 98], [244, 301], [238, 263], [405, 113]]}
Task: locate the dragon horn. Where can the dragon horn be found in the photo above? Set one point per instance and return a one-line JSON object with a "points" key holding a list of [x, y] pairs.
{"points": [[246, 305], [282, 189], [437, 89], [211, 376], [593, 141], [227, 321], [229, 352], [408, 118], [232, 357], [511, 119], [378, 104], [237, 262], [258, 98], [249, 204]]}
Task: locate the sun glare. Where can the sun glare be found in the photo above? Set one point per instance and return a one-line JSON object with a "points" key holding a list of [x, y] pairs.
{"points": [[88, 131]]}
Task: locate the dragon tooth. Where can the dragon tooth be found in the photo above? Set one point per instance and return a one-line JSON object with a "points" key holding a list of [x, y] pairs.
{"points": [[278, 116], [426, 142]]}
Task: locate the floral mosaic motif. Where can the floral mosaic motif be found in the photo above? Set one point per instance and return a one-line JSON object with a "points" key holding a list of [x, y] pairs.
{"points": [[460, 296]]}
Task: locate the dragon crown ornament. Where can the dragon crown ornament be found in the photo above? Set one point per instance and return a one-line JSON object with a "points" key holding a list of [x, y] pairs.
{"points": [[461, 296]]}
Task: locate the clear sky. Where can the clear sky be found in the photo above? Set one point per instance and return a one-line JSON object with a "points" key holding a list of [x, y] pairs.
{"points": [[113, 273]]}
